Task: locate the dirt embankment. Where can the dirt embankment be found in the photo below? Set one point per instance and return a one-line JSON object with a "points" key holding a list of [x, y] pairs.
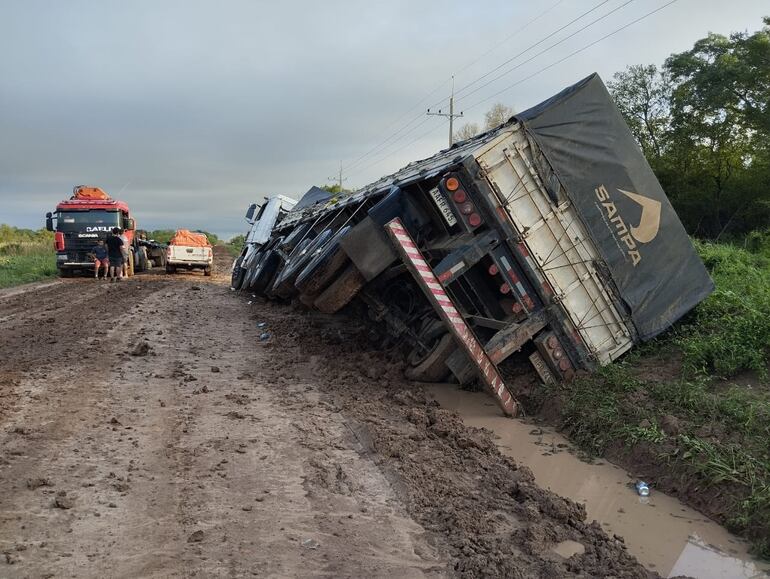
{"points": [[149, 431]]}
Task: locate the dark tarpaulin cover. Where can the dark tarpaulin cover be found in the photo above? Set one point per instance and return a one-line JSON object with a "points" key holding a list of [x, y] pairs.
{"points": [[313, 196], [651, 260]]}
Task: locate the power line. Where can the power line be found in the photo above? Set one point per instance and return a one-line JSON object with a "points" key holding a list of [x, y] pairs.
{"points": [[408, 144], [551, 65], [418, 116], [493, 70], [360, 169], [440, 86], [554, 45], [507, 38], [531, 46], [570, 55]]}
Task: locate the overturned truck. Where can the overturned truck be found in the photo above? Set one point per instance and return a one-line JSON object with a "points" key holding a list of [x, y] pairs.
{"points": [[548, 236]]}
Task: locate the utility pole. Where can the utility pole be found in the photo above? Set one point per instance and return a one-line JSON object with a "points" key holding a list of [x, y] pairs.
{"points": [[339, 178], [451, 114]]}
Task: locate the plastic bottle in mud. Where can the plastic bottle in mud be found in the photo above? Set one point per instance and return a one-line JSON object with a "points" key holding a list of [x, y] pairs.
{"points": [[642, 489]]}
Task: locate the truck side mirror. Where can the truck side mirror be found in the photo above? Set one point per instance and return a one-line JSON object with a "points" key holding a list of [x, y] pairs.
{"points": [[129, 224], [49, 221], [250, 212]]}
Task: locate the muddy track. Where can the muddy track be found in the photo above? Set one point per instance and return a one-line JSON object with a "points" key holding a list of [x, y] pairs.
{"points": [[147, 431]]}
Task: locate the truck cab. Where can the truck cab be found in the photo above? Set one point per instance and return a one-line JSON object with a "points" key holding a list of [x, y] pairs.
{"points": [[79, 222], [261, 219]]}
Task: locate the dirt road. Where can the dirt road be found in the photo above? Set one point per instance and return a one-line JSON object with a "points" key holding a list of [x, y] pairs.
{"points": [[148, 431]]}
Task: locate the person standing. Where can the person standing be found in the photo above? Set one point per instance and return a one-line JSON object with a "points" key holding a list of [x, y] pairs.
{"points": [[101, 259], [115, 254], [124, 251]]}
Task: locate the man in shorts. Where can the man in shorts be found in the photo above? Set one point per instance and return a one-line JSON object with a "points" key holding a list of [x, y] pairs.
{"points": [[101, 259], [115, 254]]}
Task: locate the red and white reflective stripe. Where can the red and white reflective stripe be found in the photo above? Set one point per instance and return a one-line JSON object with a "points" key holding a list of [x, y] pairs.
{"points": [[435, 292]]}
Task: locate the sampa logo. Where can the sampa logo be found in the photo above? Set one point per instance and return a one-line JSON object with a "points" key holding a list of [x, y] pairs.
{"points": [[644, 232]]}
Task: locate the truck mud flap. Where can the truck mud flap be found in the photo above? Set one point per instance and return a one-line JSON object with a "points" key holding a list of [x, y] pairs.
{"points": [[442, 303]]}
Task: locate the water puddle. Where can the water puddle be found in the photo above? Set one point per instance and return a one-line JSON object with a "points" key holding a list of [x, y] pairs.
{"points": [[567, 549], [664, 534]]}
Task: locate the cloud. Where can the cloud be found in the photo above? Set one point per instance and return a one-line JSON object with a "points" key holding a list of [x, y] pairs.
{"points": [[192, 109]]}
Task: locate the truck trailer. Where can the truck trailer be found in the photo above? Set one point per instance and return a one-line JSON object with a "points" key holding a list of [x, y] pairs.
{"points": [[548, 236]]}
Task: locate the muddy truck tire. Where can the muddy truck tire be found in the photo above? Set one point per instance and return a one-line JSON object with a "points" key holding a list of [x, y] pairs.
{"points": [[322, 268], [265, 271], [432, 367], [140, 259], [236, 277], [280, 288], [302, 254], [428, 363], [341, 291], [249, 270]]}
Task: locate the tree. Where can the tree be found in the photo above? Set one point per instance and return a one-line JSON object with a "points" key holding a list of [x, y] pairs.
{"points": [[497, 115], [703, 121], [643, 95], [721, 127], [335, 188], [237, 241], [467, 131]]}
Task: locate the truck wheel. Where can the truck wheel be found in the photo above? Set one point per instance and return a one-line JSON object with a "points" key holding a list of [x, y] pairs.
{"points": [[323, 267], [237, 276], [250, 270], [266, 271], [282, 287], [302, 254], [143, 262], [170, 268], [341, 291], [432, 367], [207, 271]]}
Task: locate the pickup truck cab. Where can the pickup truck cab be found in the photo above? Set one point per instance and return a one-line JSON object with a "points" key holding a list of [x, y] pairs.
{"points": [[189, 250]]}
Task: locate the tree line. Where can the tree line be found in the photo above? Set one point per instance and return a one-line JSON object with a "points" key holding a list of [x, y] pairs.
{"points": [[703, 122]]}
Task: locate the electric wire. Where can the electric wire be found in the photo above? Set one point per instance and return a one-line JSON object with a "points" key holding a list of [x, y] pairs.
{"points": [[571, 54], [384, 143], [408, 144], [539, 71], [397, 132], [554, 45], [530, 47]]}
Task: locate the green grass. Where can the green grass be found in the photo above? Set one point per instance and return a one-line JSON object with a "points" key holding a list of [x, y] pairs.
{"points": [[25, 263], [730, 331], [720, 397]]}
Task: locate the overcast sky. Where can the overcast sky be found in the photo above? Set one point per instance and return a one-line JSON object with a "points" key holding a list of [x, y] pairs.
{"points": [[189, 110]]}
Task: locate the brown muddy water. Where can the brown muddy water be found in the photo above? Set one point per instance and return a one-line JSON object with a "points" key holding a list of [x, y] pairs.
{"points": [[663, 533]]}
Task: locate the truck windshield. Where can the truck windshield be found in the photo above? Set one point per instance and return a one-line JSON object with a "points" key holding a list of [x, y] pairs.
{"points": [[95, 220]]}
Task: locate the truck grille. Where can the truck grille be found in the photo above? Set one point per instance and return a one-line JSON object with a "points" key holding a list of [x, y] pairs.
{"points": [[77, 248]]}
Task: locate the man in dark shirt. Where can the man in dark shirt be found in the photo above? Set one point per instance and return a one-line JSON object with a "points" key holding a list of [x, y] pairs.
{"points": [[115, 254], [100, 259]]}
